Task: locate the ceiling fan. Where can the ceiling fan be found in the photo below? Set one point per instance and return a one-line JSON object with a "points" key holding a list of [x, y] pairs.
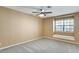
{"points": [[42, 12]]}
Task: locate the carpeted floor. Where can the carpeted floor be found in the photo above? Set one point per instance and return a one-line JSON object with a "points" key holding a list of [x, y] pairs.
{"points": [[43, 46]]}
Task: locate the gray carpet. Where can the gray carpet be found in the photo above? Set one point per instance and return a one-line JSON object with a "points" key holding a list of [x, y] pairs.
{"points": [[43, 46]]}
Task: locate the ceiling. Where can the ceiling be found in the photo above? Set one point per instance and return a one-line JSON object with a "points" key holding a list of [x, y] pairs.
{"points": [[57, 10]]}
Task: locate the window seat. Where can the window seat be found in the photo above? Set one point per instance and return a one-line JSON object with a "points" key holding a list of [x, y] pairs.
{"points": [[65, 37]]}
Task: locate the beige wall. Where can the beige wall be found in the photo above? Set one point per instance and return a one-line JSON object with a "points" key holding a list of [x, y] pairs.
{"points": [[76, 33], [16, 27], [47, 27]]}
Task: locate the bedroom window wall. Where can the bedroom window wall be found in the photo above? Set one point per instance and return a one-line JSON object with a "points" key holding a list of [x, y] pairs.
{"points": [[64, 24]]}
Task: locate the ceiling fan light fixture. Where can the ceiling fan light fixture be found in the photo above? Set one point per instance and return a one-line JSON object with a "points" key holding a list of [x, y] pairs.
{"points": [[41, 15], [42, 10]]}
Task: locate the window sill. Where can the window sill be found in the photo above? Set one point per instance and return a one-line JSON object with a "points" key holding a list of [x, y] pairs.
{"points": [[64, 37]]}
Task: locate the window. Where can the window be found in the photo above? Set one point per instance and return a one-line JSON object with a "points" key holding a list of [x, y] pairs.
{"points": [[64, 25]]}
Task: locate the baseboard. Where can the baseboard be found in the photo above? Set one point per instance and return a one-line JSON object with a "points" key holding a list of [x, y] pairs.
{"points": [[66, 41], [20, 43]]}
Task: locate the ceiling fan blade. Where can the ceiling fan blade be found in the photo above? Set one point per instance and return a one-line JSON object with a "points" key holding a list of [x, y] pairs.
{"points": [[38, 14], [44, 14], [35, 12], [47, 12]]}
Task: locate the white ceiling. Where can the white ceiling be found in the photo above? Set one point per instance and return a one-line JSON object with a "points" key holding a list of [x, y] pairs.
{"points": [[57, 10]]}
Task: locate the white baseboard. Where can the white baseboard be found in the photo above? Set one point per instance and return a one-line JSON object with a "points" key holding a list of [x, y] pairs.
{"points": [[20, 43]]}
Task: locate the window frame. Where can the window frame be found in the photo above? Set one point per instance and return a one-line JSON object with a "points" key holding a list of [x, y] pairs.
{"points": [[63, 19]]}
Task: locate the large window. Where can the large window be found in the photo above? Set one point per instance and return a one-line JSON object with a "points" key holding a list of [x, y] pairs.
{"points": [[64, 25]]}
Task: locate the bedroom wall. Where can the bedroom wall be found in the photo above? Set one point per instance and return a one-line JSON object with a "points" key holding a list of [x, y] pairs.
{"points": [[16, 27], [76, 33], [48, 27]]}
